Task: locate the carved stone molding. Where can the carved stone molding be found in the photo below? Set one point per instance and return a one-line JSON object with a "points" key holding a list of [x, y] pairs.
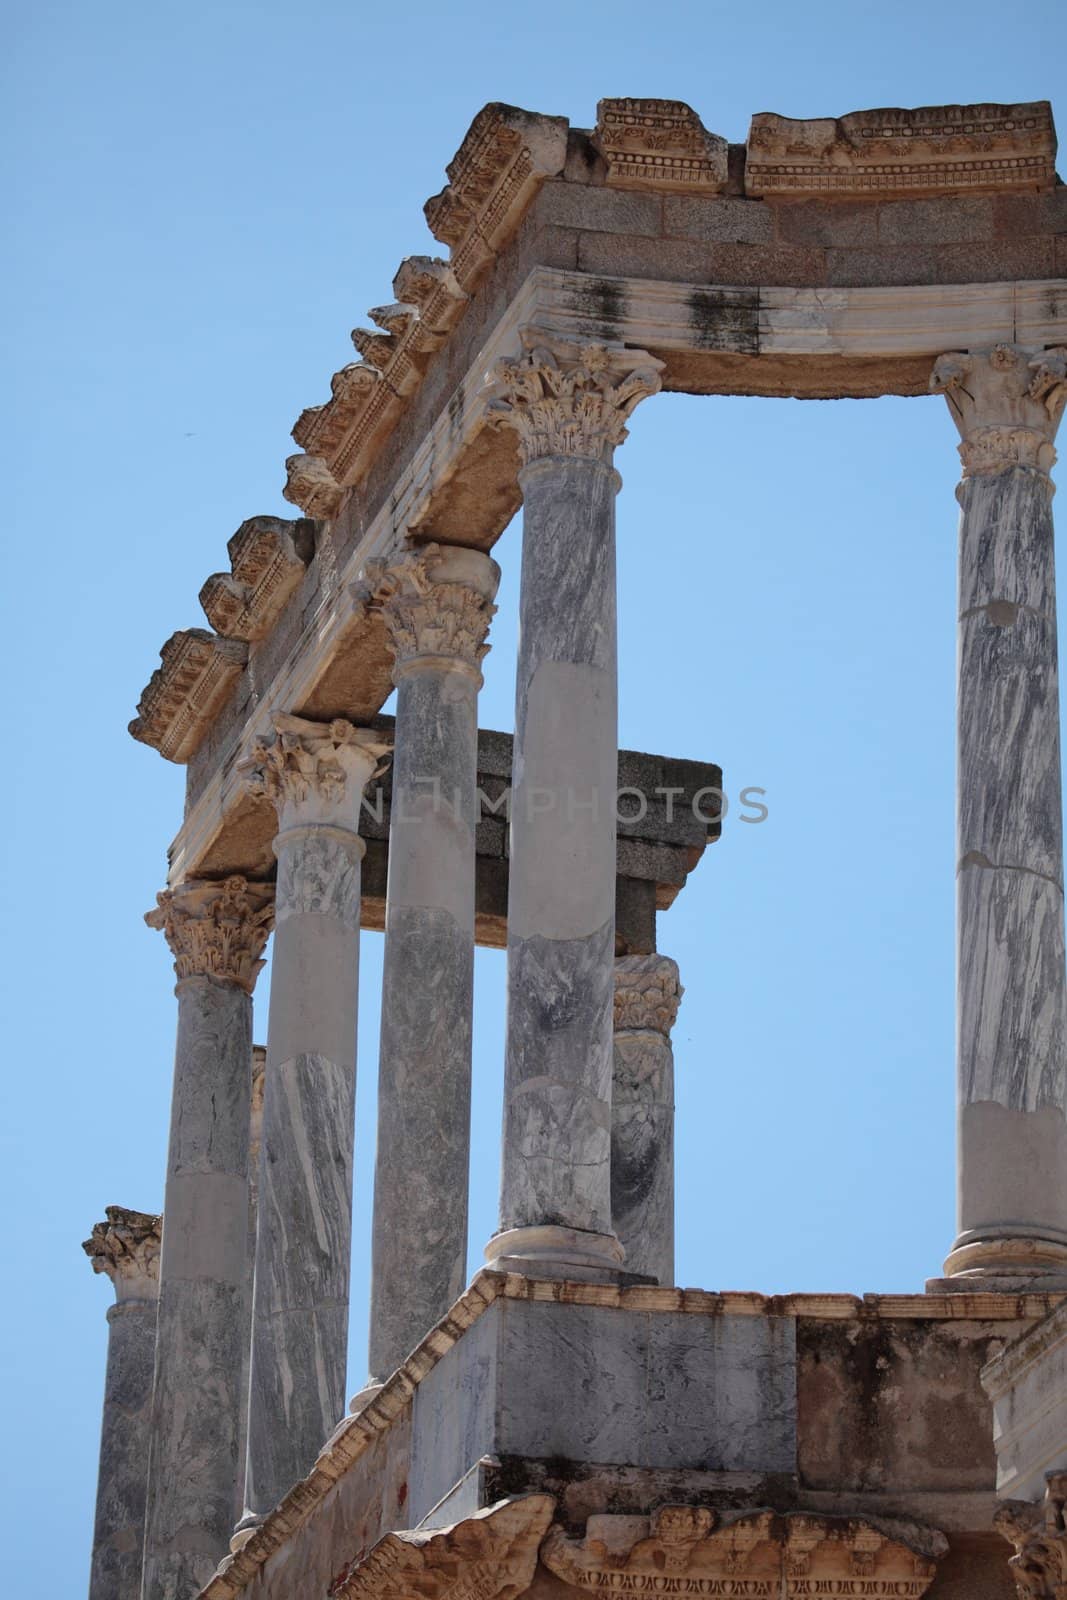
{"points": [[1006, 402], [436, 602], [933, 150], [490, 1556], [313, 772], [659, 144], [689, 1550], [126, 1247], [216, 930], [505, 157], [310, 484], [566, 399], [647, 993], [268, 556], [185, 693], [1039, 1534]]}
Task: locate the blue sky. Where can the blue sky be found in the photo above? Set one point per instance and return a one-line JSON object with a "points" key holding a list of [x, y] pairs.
{"points": [[203, 200]]}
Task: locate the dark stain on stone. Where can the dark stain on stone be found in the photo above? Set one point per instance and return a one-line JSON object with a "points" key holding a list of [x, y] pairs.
{"points": [[721, 324], [602, 301]]}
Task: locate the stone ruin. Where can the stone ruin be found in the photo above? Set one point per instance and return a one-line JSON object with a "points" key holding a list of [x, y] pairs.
{"points": [[568, 1417]]}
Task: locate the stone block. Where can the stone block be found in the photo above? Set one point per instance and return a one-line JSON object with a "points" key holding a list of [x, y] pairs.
{"points": [[1016, 215], [857, 269], [621, 256], [777, 266], [718, 220], [815, 222], [1002, 261], [601, 210], [945, 220]]}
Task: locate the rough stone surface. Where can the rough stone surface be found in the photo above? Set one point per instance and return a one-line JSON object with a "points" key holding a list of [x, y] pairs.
{"points": [[642, 1114]]}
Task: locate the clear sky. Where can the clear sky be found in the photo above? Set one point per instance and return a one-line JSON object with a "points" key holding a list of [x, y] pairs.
{"points": [[202, 200]]}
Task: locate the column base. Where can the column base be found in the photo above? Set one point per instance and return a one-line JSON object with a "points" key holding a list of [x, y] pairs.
{"points": [[1009, 1262], [551, 1251]]}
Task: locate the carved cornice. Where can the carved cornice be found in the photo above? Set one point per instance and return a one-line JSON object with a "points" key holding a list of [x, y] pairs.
{"points": [[503, 160], [268, 556], [566, 399], [216, 930], [436, 603], [490, 1556], [875, 154], [313, 772], [687, 1550], [1006, 402], [126, 1247], [310, 484], [1039, 1565], [185, 693], [659, 144], [647, 994]]}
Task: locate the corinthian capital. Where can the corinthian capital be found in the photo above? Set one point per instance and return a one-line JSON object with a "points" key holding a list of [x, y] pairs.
{"points": [[216, 930], [314, 772], [1006, 402], [647, 993], [567, 399], [436, 603], [126, 1247], [1039, 1565]]}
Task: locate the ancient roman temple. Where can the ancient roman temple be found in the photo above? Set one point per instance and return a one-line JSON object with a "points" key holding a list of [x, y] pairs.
{"points": [[560, 1415]]}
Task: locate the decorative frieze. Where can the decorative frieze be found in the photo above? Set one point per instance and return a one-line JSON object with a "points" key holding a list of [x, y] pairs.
{"points": [[183, 696], [647, 993], [688, 1550], [216, 930], [567, 399], [505, 157], [875, 154], [311, 485], [436, 603], [268, 557], [1006, 402], [126, 1247], [659, 144], [489, 1556], [1039, 1565]]}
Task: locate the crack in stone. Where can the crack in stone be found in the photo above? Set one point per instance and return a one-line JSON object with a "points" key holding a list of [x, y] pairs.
{"points": [[977, 858]]}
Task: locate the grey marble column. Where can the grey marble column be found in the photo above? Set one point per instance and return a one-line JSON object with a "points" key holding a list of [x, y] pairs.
{"points": [[437, 605], [216, 932], [255, 1137], [126, 1247], [314, 773], [568, 405], [647, 995], [1012, 1015]]}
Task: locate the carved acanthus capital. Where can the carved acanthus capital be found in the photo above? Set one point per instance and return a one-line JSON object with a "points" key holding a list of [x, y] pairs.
{"points": [[436, 603], [126, 1247], [567, 399], [1007, 403], [690, 1550], [490, 1556], [647, 993], [216, 930], [1039, 1565], [313, 772]]}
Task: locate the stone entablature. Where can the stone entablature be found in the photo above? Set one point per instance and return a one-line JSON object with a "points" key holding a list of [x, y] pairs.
{"points": [[659, 145], [490, 1556], [268, 558], [692, 1550], [186, 692], [1027, 1384], [936, 149]]}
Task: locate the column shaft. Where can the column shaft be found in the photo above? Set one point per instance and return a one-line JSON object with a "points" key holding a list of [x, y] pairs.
{"points": [[126, 1247], [1012, 995], [315, 774], [438, 612], [647, 993]]}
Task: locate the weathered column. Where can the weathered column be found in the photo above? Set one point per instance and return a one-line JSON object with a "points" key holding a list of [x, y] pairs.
{"points": [[647, 995], [568, 404], [126, 1247], [437, 604], [1012, 1018], [255, 1137], [217, 932], [314, 773]]}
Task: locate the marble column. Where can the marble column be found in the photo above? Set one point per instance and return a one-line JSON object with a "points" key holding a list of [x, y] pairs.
{"points": [[216, 932], [314, 773], [647, 995], [568, 405], [255, 1137], [126, 1247], [1011, 1017], [437, 605]]}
